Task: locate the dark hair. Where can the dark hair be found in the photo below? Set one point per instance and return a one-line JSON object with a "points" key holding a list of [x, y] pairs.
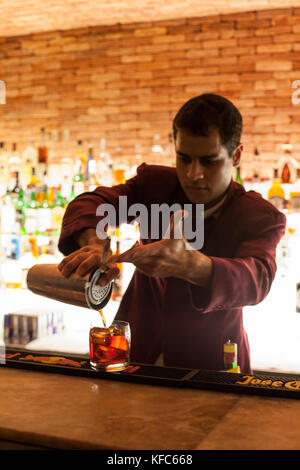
{"points": [[203, 113]]}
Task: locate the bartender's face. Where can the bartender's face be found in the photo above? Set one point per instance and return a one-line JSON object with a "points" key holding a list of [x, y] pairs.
{"points": [[204, 167]]}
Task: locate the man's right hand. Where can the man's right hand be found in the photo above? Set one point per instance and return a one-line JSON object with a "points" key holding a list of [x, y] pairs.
{"points": [[81, 262]]}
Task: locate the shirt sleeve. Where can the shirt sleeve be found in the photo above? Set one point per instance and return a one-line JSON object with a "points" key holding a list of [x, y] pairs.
{"points": [[246, 278]]}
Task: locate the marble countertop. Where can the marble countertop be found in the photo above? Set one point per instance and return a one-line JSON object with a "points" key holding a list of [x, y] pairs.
{"points": [[67, 412]]}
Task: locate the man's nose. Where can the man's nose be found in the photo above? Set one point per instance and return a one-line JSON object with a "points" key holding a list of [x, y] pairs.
{"points": [[195, 170]]}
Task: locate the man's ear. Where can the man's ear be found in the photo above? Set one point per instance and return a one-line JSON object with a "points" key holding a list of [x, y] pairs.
{"points": [[237, 154]]}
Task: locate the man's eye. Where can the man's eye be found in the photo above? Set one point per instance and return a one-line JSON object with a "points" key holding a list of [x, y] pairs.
{"points": [[183, 158], [209, 162]]}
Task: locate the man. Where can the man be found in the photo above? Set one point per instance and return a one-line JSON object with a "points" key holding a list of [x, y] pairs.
{"points": [[183, 304]]}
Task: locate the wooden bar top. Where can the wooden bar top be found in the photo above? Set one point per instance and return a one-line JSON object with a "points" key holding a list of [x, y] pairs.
{"points": [[56, 411]]}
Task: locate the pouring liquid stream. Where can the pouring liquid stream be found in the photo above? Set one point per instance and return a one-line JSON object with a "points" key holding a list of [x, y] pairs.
{"points": [[103, 318]]}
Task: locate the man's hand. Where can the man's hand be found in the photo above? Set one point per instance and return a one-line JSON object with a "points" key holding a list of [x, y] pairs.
{"points": [[169, 257], [81, 262]]}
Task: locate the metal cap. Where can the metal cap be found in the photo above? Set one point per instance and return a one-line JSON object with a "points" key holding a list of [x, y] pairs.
{"points": [[97, 296]]}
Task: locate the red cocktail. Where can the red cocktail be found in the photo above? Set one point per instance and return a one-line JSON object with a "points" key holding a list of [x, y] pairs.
{"points": [[110, 347]]}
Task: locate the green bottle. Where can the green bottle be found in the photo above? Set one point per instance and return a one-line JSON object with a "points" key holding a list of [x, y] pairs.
{"points": [[238, 178], [20, 211]]}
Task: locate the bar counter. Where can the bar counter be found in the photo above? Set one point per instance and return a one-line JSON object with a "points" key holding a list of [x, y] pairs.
{"points": [[52, 411]]}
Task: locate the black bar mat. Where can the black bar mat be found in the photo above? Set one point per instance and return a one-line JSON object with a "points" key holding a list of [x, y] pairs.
{"points": [[261, 383]]}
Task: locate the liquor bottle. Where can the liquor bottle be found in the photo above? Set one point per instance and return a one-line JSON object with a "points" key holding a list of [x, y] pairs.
{"points": [[276, 193], [256, 166], [33, 180], [78, 179], [157, 154], [42, 156], [20, 211], [72, 195], [29, 158], [3, 170], [238, 178], [8, 215], [57, 211], [66, 188], [119, 169], [104, 166], [90, 175], [16, 189], [31, 219], [14, 164], [295, 194], [80, 154], [44, 213]]}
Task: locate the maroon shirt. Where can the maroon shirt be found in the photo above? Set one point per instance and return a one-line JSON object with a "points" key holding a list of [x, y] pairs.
{"points": [[190, 324]]}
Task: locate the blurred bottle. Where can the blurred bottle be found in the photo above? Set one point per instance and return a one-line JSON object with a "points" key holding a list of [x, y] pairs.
{"points": [[157, 154], [276, 193], [8, 215], [31, 215], [80, 154], [119, 168], [90, 175], [14, 165], [66, 188], [78, 179], [16, 189], [20, 211], [80, 161], [3, 170], [42, 156], [238, 178], [29, 157], [27, 260], [44, 212], [104, 166], [57, 211], [295, 194]]}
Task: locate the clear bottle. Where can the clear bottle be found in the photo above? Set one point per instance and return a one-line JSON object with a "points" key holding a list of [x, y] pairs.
{"points": [[3, 169], [29, 157], [119, 169], [42, 155], [276, 193], [14, 165], [20, 211], [295, 194], [78, 179], [8, 215], [157, 155], [16, 189], [104, 165], [31, 215], [91, 167], [57, 211], [44, 213]]}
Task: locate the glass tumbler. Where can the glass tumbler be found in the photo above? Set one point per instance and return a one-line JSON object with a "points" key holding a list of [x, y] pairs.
{"points": [[110, 347]]}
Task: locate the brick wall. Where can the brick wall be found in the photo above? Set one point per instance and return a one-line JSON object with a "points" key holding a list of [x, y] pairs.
{"points": [[126, 82]]}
